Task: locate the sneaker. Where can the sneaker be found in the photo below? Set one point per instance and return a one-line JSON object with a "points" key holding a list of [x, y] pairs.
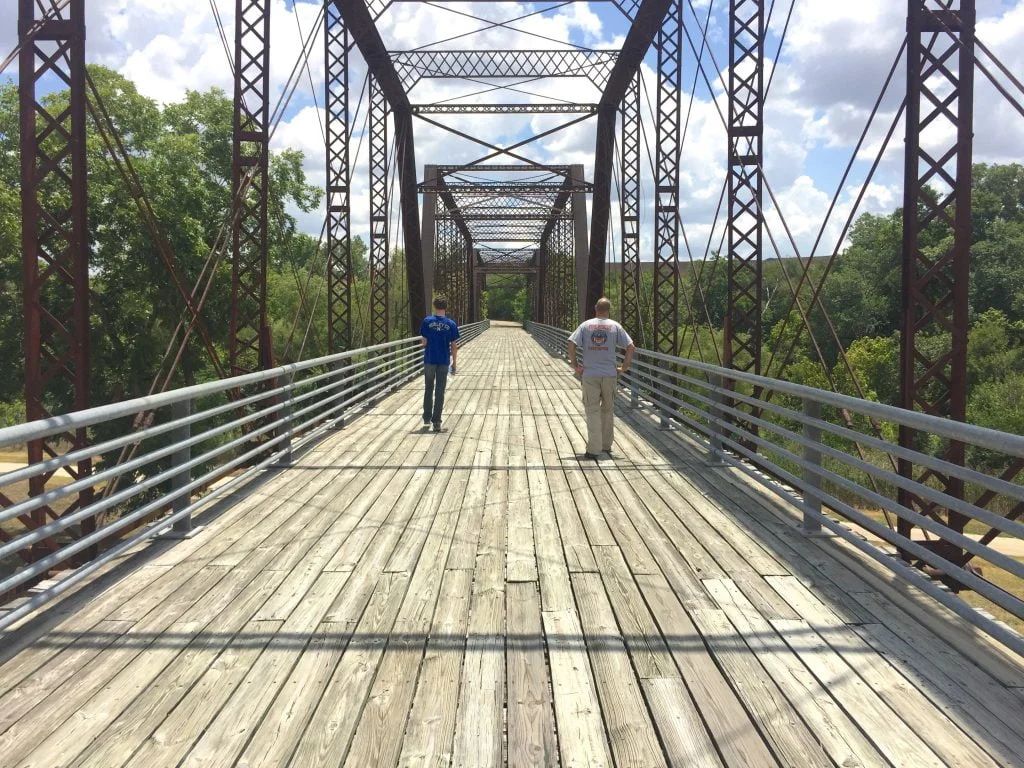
{"points": [[589, 455], [437, 426], [608, 451]]}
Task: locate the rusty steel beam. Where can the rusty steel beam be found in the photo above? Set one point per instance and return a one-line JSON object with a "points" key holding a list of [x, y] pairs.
{"points": [[380, 320], [250, 347], [629, 211], [339, 213], [361, 27], [666, 181], [54, 240], [937, 198], [648, 21], [745, 225]]}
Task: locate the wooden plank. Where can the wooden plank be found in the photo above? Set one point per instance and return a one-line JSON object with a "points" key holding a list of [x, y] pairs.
{"points": [[521, 562], [62, 701], [227, 734], [575, 543], [624, 525], [136, 722], [737, 738], [686, 740], [479, 725], [430, 729], [552, 570], [632, 736], [184, 725], [378, 737], [646, 646], [840, 736], [21, 653], [897, 742], [531, 734], [581, 739], [135, 678], [330, 729], [278, 734], [929, 674], [791, 741]]}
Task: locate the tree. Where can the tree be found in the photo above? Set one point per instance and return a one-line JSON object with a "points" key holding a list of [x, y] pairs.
{"points": [[182, 155]]}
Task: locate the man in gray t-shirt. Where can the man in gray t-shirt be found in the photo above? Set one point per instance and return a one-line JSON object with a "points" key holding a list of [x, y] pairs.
{"points": [[598, 338]]}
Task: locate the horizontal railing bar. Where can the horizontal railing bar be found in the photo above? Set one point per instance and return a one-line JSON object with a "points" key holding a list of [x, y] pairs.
{"points": [[959, 505], [35, 430], [84, 571], [66, 521]]}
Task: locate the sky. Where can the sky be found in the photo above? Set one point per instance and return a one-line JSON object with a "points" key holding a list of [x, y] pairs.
{"points": [[825, 75]]}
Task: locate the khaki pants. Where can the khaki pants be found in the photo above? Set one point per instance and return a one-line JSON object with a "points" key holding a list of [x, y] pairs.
{"points": [[599, 405]]}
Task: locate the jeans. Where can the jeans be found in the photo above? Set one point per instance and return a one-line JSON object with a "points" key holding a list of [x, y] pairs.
{"points": [[435, 378], [599, 406]]}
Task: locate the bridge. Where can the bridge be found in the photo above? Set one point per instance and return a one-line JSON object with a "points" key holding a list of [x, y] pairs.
{"points": [[485, 596], [264, 558]]}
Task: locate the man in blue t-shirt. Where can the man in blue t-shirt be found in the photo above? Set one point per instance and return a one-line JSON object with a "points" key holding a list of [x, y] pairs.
{"points": [[440, 334]]}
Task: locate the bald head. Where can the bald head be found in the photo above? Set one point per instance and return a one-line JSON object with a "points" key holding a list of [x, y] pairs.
{"points": [[603, 307]]}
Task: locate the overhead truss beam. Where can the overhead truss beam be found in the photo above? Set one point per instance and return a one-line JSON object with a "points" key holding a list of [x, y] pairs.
{"points": [[413, 66]]}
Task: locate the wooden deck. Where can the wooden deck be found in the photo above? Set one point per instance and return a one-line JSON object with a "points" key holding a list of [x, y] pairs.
{"points": [[483, 597]]}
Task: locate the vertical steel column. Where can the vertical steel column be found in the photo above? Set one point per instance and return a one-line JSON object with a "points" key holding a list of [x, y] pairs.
{"points": [[669, 44], [541, 313], [54, 238], [380, 321], [580, 249], [937, 201], [629, 206], [745, 223], [428, 230], [339, 213], [250, 347]]}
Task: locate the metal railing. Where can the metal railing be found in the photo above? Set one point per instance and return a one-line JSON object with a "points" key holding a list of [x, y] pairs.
{"points": [[811, 440], [227, 430]]}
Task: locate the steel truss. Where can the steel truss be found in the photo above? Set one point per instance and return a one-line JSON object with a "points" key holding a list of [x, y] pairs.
{"points": [[452, 261], [413, 66], [669, 44], [339, 214], [629, 276], [380, 320], [504, 109], [55, 244], [937, 201], [250, 346], [745, 214]]}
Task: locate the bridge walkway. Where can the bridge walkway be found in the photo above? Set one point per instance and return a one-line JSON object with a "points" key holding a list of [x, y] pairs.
{"points": [[484, 597]]}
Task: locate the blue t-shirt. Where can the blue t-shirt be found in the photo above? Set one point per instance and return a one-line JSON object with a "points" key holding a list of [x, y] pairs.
{"points": [[439, 332]]}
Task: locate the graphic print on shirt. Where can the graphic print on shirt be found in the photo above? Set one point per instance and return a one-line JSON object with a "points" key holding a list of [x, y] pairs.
{"points": [[599, 338]]}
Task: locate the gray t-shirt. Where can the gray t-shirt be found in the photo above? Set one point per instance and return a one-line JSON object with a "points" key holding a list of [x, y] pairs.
{"points": [[596, 339]]}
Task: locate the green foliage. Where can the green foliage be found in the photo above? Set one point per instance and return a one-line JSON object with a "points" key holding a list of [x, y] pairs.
{"points": [[182, 155]]}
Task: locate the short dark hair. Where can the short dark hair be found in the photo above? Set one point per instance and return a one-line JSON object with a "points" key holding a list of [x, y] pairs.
{"points": [[440, 302]]}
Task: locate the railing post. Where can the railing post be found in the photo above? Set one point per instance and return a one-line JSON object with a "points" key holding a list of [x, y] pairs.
{"points": [[662, 409], [179, 435], [812, 456], [717, 416], [286, 413]]}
